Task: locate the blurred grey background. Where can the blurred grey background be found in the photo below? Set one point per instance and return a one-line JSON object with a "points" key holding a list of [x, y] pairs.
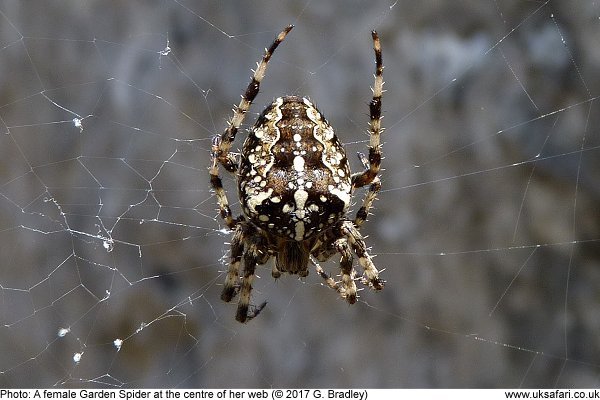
{"points": [[487, 225]]}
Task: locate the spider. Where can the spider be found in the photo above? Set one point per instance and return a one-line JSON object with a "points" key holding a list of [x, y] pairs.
{"points": [[295, 188]]}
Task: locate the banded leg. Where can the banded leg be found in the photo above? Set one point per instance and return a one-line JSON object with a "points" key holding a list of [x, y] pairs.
{"points": [[246, 311], [370, 196], [356, 241], [221, 145], [368, 175], [232, 285], [329, 281], [239, 112], [324, 251], [348, 291], [217, 185]]}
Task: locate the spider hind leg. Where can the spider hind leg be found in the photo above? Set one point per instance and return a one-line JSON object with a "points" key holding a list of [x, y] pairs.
{"points": [[348, 288], [232, 285], [358, 245], [250, 260]]}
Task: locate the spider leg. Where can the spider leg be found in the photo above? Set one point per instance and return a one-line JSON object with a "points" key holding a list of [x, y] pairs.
{"points": [[217, 185], [239, 113], [322, 251], [221, 145], [329, 281], [370, 196], [232, 286], [348, 290], [369, 174], [252, 256], [356, 241]]}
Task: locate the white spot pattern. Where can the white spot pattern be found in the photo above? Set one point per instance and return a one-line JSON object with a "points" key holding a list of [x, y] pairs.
{"points": [[297, 164]]}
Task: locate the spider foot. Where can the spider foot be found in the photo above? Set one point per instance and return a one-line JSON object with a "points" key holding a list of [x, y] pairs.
{"points": [[229, 292], [247, 312], [374, 283], [275, 272], [348, 291], [303, 273], [350, 297]]}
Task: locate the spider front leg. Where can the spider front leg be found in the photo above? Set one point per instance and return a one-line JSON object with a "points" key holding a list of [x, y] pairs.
{"points": [[370, 196], [221, 145], [239, 113], [369, 174]]}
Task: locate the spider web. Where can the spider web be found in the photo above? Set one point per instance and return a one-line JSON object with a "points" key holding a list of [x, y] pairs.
{"points": [[487, 226]]}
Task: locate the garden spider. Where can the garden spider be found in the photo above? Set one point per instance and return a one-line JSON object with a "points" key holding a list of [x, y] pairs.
{"points": [[295, 188]]}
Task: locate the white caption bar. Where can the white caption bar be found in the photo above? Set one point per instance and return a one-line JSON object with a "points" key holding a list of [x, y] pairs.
{"points": [[296, 394]]}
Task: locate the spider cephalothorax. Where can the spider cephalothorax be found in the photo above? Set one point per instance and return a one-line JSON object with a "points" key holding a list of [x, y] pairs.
{"points": [[295, 188]]}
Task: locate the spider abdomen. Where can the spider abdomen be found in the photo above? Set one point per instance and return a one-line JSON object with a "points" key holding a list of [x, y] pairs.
{"points": [[294, 180]]}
